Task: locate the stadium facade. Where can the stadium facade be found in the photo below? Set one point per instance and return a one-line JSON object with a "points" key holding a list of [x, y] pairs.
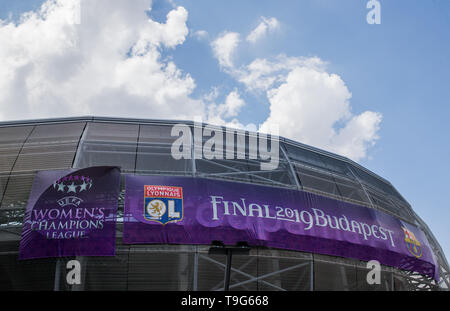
{"points": [[143, 147]]}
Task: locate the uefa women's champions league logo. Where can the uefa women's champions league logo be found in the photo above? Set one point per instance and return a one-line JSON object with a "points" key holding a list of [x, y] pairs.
{"points": [[72, 184], [163, 204], [413, 245]]}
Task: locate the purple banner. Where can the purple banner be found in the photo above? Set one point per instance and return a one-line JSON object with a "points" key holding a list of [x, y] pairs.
{"points": [[182, 210], [71, 213]]}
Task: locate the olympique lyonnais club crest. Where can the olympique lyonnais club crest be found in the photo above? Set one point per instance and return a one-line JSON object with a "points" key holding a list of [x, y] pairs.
{"points": [[412, 243], [163, 204]]}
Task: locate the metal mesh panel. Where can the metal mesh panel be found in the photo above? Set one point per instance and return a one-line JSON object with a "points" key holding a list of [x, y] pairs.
{"points": [[105, 273], [284, 270], [244, 162], [226, 166], [56, 133], [246, 171], [3, 182], [401, 283], [304, 156], [326, 175], [403, 209], [351, 191], [374, 182], [154, 152], [317, 181], [45, 157], [261, 269], [14, 135], [50, 146], [332, 273], [160, 268], [211, 271], [26, 275], [337, 166], [384, 203], [7, 158], [109, 144], [412, 281], [227, 169], [11, 141], [17, 191]]}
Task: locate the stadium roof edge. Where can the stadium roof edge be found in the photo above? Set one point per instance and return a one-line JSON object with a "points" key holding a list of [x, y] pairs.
{"points": [[174, 121]]}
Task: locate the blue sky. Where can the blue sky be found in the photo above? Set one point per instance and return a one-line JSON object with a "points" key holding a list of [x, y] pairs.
{"points": [[399, 69]]}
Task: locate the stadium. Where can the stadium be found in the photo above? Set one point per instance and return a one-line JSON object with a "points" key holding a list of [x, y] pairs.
{"points": [[143, 148]]}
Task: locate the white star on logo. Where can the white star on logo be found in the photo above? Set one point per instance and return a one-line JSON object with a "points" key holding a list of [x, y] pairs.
{"points": [[61, 187], [83, 186], [72, 188]]}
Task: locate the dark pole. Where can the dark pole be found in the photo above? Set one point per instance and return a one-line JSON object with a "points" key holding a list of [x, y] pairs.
{"points": [[228, 270]]}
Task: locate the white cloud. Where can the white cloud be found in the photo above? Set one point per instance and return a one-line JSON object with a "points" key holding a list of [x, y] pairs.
{"points": [[226, 113], [266, 25], [309, 105], [224, 47], [109, 64], [262, 74], [359, 134], [231, 107], [200, 34], [233, 104]]}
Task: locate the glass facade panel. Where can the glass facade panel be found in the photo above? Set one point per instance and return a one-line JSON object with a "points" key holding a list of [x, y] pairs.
{"points": [[351, 191], [316, 181], [305, 157], [243, 162], [337, 167], [334, 274], [376, 183], [328, 176]]}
